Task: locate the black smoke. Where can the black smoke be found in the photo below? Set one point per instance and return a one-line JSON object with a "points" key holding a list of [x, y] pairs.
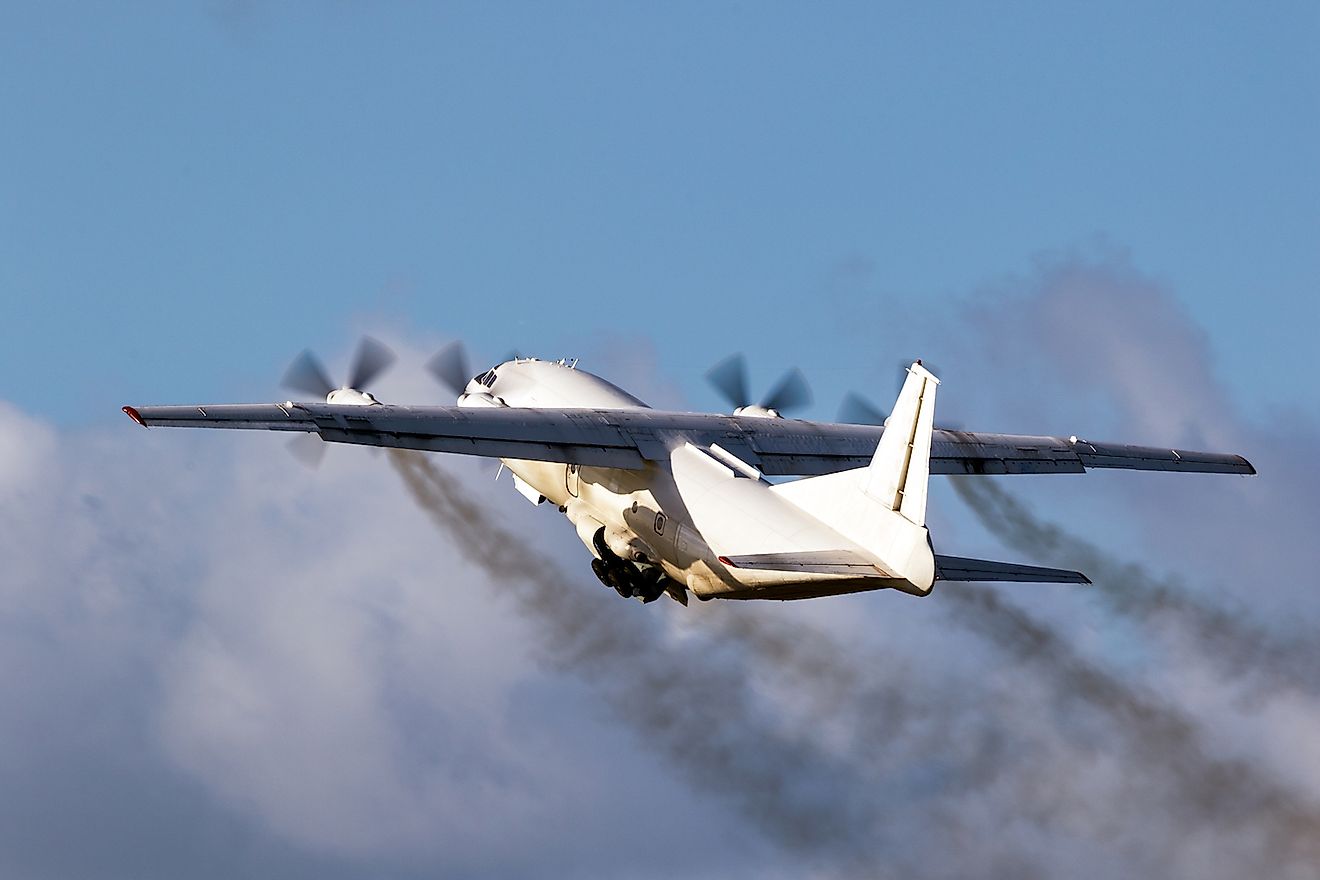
{"points": [[890, 745], [1228, 638]]}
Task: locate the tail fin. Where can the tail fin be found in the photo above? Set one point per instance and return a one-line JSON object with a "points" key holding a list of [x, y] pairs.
{"points": [[882, 508], [900, 470]]}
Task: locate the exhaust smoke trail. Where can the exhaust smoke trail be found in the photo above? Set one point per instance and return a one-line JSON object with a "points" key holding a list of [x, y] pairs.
{"points": [[702, 715], [1220, 793], [696, 710], [1239, 647]]}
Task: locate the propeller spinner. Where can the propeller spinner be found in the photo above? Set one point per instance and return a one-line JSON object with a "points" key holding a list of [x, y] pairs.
{"points": [[729, 377]]}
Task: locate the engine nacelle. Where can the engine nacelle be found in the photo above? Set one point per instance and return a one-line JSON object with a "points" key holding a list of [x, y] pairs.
{"points": [[480, 398], [351, 397], [757, 412]]}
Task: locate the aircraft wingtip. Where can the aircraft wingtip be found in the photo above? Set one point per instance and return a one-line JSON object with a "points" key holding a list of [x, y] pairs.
{"points": [[134, 415]]}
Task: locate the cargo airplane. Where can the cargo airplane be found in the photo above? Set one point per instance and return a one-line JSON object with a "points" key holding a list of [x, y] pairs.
{"points": [[681, 503]]}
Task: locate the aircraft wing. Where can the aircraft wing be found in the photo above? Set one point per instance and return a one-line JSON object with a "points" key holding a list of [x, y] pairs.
{"points": [[629, 438]]}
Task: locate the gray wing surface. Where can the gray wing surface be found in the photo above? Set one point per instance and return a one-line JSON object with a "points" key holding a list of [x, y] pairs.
{"points": [[629, 438]]}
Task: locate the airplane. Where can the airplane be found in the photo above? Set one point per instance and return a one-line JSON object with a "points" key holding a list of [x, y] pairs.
{"points": [[679, 503]]}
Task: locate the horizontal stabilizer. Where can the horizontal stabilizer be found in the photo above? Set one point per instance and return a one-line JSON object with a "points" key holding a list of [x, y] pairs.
{"points": [[958, 568]]}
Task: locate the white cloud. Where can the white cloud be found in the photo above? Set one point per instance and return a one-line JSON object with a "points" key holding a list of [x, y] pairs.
{"points": [[308, 664], [299, 657]]}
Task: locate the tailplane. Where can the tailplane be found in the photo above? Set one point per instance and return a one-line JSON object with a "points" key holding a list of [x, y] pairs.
{"points": [[958, 568]]}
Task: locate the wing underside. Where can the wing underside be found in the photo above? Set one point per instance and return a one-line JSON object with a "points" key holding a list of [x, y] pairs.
{"points": [[630, 438]]}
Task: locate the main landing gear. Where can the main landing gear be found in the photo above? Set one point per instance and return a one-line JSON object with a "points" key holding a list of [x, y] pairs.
{"points": [[630, 581]]}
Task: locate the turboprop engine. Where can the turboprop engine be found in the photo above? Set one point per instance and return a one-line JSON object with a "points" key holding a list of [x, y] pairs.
{"points": [[308, 374]]}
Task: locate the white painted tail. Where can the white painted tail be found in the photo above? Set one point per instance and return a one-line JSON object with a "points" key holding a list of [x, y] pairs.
{"points": [[900, 470], [882, 508]]}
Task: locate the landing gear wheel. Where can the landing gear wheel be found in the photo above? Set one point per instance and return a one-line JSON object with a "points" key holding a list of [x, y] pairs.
{"points": [[602, 549], [602, 572], [652, 585], [616, 576]]}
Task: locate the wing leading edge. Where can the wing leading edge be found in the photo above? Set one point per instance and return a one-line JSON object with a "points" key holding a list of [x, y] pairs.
{"points": [[629, 438]]}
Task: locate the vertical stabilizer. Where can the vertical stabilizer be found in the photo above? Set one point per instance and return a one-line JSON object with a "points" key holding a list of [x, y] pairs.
{"points": [[882, 507], [900, 469]]}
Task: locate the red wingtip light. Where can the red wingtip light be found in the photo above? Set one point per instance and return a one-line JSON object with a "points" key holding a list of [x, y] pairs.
{"points": [[134, 415], [724, 560]]}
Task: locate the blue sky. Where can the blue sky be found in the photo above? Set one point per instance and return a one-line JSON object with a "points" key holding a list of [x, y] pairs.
{"points": [[191, 193]]}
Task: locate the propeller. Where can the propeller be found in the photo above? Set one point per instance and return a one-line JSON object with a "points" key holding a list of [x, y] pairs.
{"points": [[449, 366], [857, 410], [308, 374], [729, 377], [309, 449]]}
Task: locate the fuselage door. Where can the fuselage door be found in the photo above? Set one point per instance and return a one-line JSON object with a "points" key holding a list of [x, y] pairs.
{"points": [[572, 479]]}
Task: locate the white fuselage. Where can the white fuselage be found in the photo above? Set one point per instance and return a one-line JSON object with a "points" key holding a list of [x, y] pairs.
{"points": [[645, 517]]}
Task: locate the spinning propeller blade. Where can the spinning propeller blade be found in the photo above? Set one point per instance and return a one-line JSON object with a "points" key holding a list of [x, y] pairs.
{"points": [[791, 393], [309, 449], [373, 358], [307, 374], [857, 410], [449, 366], [729, 377]]}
